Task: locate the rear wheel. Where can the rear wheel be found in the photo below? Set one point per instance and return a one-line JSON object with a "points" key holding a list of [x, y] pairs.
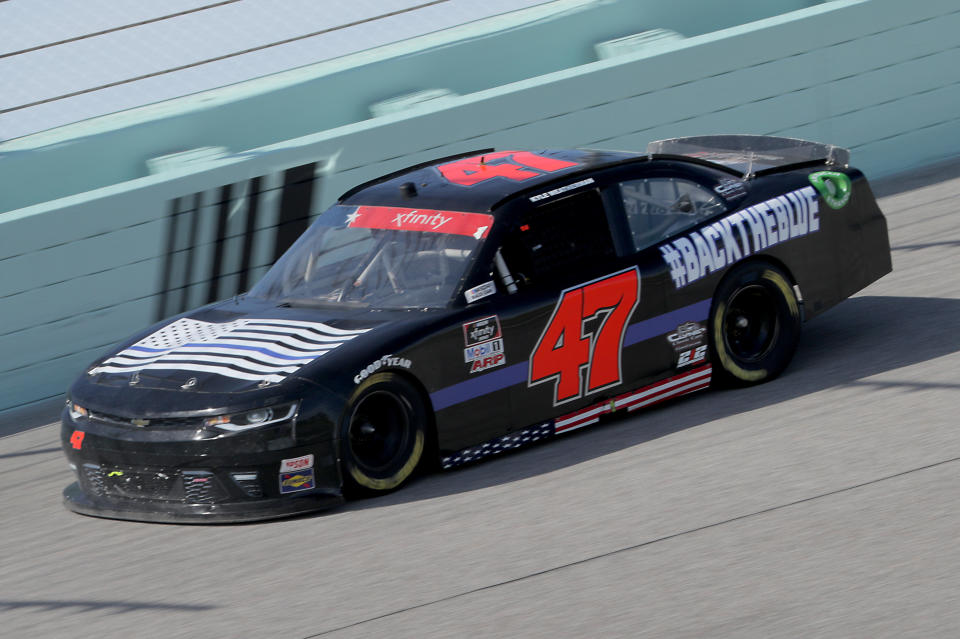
{"points": [[382, 440], [754, 324]]}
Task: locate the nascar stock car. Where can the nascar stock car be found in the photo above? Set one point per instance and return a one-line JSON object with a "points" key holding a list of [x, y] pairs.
{"points": [[471, 305]]}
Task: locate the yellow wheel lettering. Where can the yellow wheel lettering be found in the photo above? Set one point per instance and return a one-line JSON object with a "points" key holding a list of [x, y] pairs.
{"points": [[397, 478]]}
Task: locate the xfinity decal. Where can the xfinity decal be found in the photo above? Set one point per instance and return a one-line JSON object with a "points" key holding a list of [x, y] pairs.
{"points": [[742, 234], [475, 225]]}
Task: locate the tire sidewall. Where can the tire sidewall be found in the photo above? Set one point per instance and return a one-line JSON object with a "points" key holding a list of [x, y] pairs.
{"points": [[356, 477], [729, 367]]}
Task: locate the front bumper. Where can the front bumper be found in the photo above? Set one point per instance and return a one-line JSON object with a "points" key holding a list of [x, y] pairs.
{"points": [[168, 511], [161, 476]]}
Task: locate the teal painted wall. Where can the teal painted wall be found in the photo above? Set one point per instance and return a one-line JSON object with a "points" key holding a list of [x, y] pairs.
{"points": [[881, 77]]}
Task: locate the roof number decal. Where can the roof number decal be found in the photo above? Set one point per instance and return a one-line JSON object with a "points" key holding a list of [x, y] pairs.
{"points": [[512, 165]]}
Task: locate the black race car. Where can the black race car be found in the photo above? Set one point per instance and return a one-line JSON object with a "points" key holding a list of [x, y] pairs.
{"points": [[468, 306]]}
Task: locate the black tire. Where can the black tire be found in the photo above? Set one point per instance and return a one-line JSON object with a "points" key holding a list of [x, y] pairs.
{"points": [[754, 324], [383, 435]]}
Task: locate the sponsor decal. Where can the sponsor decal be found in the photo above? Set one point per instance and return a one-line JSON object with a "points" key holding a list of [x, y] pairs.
{"points": [[76, 439], [511, 165], [692, 356], [475, 225], [834, 187], [297, 463], [260, 350], [697, 379], [586, 332], [687, 341], [498, 445], [481, 330], [484, 344], [484, 349], [387, 361], [480, 291], [561, 189], [731, 189], [741, 234], [687, 334], [296, 481]]}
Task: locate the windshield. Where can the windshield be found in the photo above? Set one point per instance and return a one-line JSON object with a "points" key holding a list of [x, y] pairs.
{"points": [[377, 256]]}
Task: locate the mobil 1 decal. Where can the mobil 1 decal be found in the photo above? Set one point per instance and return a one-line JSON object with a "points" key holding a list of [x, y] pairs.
{"points": [[581, 344], [484, 344], [742, 234]]}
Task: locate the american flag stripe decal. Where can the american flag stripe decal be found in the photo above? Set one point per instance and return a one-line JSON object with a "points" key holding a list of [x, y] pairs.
{"points": [[697, 379], [248, 349]]}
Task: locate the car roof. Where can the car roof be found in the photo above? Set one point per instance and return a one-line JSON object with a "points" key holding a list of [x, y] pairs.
{"points": [[479, 180]]}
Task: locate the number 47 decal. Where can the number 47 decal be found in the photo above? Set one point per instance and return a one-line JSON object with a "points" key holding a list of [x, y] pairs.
{"points": [[566, 347]]}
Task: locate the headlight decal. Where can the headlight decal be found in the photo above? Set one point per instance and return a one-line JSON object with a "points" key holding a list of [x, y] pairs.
{"points": [[254, 418]]}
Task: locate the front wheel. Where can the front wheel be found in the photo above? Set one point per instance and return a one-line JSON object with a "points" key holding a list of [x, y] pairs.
{"points": [[382, 438], [754, 324]]}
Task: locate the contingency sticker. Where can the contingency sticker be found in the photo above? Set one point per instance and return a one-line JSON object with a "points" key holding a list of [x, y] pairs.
{"points": [[484, 344], [296, 481], [480, 291], [687, 341], [297, 463]]}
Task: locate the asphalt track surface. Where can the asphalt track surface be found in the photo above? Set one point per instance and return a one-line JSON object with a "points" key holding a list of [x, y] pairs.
{"points": [[823, 504]]}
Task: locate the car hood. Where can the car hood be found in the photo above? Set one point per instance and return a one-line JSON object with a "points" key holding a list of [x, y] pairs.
{"points": [[232, 348]]}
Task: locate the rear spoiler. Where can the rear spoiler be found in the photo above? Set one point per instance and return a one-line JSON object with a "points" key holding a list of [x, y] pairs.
{"points": [[752, 155]]}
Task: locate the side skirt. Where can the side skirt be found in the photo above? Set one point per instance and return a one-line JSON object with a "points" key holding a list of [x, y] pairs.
{"points": [[689, 382]]}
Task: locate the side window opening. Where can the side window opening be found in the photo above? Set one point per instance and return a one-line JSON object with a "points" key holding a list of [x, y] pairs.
{"points": [[561, 240], [657, 208]]}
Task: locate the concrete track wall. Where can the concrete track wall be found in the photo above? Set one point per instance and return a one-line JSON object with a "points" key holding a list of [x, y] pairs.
{"points": [[879, 76]]}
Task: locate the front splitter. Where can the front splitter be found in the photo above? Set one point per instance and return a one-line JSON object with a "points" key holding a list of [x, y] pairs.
{"points": [[181, 513]]}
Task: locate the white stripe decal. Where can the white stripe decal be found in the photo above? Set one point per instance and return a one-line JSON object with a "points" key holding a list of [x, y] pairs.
{"points": [[678, 385]]}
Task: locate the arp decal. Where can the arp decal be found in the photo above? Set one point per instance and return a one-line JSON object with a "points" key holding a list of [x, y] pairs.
{"points": [[484, 344], [475, 225], [512, 165], [741, 234], [296, 481], [76, 439], [834, 187], [585, 333]]}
